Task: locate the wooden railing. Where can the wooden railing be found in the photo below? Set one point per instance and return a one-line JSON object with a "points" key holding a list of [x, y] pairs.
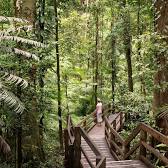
{"points": [[73, 148], [138, 144], [114, 140], [69, 143]]}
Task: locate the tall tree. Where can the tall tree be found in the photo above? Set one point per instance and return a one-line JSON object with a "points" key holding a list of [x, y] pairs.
{"points": [[96, 54], [56, 3], [127, 43], [40, 35], [25, 9], [139, 57], [160, 98]]}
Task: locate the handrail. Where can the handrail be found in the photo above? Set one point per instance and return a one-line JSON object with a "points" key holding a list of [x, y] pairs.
{"points": [[70, 130], [156, 134], [73, 148], [118, 144], [114, 131], [114, 140]]}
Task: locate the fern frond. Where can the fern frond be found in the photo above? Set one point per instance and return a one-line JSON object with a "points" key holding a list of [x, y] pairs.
{"points": [[22, 40], [14, 79], [25, 53], [4, 147], [13, 19], [11, 100], [18, 52], [26, 28]]}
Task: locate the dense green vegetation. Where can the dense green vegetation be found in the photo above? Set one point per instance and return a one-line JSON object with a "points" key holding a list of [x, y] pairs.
{"points": [[114, 50]]}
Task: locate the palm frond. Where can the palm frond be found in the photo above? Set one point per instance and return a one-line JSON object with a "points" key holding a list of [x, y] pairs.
{"points": [[14, 79], [11, 100], [22, 40], [12, 19], [4, 147], [19, 52], [26, 28]]}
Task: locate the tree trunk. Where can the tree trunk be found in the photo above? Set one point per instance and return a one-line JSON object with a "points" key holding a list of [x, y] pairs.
{"points": [[96, 56], [25, 9], [160, 98], [40, 33], [58, 73], [139, 58], [113, 71], [127, 43], [161, 95]]}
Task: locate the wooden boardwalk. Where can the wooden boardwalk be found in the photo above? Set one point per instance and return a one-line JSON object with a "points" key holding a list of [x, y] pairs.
{"points": [[97, 135], [99, 147]]}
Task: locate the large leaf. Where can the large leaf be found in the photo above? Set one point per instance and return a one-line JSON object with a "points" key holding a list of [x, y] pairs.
{"points": [[26, 28], [18, 52], [21, 40], [11, 100], [12, 19], [14, 79]]}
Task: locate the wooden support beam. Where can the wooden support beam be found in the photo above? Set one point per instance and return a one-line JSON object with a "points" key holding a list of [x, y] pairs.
{"points": [[143, 138], [77, 146]]}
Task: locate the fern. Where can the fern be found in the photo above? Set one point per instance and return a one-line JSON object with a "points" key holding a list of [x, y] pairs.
{"points": [[21, 40], [11, 100], [12, 19], [18, 52], [14, 79], [26, 28], [6, 96]]}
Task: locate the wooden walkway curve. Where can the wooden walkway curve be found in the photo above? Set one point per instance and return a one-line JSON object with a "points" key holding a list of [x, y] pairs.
{"points": [[88, 145], [97, 135]]}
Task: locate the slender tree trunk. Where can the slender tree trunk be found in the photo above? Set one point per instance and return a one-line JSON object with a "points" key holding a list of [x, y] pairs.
{"points": [[96, 56], [113, 62], [58, 73], [40, 33], [18, 162], [113, 70], [101, 54], [139, 58], [18, 136], [128, 47], [66, 92]]}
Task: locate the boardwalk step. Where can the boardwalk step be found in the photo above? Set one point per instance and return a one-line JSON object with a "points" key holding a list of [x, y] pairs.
{"points": [[121, 164], [125, 164]]}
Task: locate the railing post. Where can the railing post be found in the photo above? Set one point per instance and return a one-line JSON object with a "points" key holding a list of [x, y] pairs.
{"points": [[66, 148], [143, 137], [112, 138], [84, 125], [121, 120], [126, 149], [105, 128], [77, 146], [71, 156], [69, 151], [115, 125]]}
